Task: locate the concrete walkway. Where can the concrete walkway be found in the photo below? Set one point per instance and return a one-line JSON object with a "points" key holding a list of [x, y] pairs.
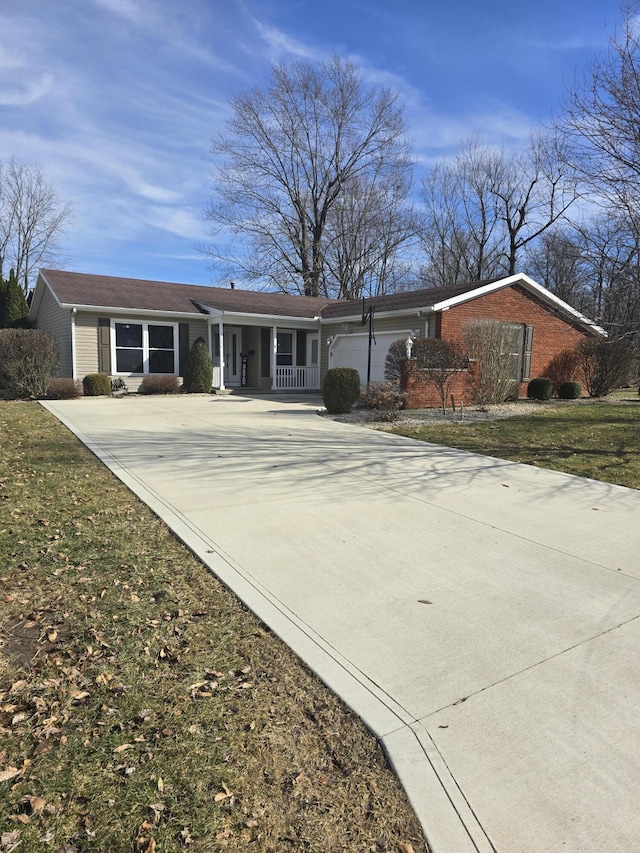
{"points": [[481, 616]]}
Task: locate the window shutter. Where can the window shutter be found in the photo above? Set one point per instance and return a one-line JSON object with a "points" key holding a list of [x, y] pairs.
{"points": [[528, 353], [104, 345], [183, 347]]}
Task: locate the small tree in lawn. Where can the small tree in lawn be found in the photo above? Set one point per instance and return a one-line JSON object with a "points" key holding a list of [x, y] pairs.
{"points": [[198, 371], [441, 361]]}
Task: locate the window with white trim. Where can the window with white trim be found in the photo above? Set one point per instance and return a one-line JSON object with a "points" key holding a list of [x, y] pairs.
{"points": [[143, 348]]}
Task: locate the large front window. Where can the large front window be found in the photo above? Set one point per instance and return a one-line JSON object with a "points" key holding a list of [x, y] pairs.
{"points": [[144, 347]]}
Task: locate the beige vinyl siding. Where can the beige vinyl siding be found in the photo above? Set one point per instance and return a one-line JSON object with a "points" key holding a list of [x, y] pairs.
{"points": [[57, 321], [86, 344], [87, 341]]}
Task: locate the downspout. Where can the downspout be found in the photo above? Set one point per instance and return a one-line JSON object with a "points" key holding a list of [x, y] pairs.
{"points": [[74, 371]]}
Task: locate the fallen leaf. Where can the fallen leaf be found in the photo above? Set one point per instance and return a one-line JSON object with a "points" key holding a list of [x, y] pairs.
{"points": [[38, 804], [160, 784], [122, 747], [10, 840], [8, 773]]}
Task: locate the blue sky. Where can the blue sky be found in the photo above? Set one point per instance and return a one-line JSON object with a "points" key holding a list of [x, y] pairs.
{"points": [[117, 100]]}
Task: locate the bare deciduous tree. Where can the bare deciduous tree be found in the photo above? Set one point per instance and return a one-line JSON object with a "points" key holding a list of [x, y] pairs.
{"points": [[488, 206], [600, 120], [301, 154], [32, 217]]}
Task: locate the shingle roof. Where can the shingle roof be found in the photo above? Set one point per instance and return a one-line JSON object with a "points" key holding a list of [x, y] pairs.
{"points": [[407, 300], [103, 291]]}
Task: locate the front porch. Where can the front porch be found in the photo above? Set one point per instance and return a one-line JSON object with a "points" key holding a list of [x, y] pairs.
{"points": [[265, 358]]}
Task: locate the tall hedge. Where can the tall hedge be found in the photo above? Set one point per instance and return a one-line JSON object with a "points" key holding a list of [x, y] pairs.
{"points": [[198, 371]]}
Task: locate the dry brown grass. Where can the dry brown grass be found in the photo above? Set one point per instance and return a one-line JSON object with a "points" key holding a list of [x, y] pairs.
{"points": [[142, 708]]}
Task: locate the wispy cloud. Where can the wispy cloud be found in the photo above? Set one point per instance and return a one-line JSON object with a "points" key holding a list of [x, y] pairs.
{"points": [[26, 93]]}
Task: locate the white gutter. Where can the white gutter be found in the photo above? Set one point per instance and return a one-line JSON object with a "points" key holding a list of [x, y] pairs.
{"points": [[128, 312]]}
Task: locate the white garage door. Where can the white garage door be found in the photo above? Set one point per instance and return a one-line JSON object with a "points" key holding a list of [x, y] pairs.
{"points": [[352, 351]]}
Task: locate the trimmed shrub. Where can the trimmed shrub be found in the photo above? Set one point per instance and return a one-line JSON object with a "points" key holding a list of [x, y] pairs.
{"points": [[382, 397], [570, 391], [340, 389], [28, 361], [198, 371], [540, 389], [64, 389], [96, 385], [160, 384], [563, 367]]}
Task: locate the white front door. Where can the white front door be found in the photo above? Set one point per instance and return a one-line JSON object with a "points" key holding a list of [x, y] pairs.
{"points": [[232, 360]]}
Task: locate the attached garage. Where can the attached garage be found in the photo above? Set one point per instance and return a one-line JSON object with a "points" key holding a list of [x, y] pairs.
{"points": [[353, 351]]}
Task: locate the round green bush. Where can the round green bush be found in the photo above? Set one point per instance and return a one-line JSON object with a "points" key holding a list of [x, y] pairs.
{"points": [[96, 385], [198, 371], [570, 390], [540, 389], [340, 389]]}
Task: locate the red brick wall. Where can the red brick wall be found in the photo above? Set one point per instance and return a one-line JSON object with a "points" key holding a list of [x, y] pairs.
{"points": [[552, 334], [423, 394]]}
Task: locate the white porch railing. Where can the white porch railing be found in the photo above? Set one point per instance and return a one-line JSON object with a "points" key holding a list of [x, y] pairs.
{"points": [[297, 378]]}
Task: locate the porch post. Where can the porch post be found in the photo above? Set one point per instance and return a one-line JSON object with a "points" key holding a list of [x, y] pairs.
{"points": [[221, 340], [274, 352]]}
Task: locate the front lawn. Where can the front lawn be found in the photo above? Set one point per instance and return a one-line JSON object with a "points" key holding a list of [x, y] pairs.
{"points": [[142, 708], [600, 440]]}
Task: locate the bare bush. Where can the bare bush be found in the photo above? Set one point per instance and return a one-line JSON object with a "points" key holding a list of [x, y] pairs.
{"points": [[605, 364], [382, 397], [64, 389], [494, 347], [160, 384], [28, 361]]}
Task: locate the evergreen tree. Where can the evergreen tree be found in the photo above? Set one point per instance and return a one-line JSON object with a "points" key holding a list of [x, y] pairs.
{"points": [[13, 304], [198, 371]]}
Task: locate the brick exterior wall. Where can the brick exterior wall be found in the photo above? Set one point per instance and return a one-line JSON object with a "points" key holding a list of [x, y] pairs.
{"points": [[423, 394], [552, 334]]}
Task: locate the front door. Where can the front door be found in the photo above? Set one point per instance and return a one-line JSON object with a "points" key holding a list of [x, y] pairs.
{"points": [[232, 349]]}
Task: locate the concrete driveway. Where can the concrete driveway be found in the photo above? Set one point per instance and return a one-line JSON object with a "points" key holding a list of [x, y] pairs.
{"points": [[481, 616]]}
